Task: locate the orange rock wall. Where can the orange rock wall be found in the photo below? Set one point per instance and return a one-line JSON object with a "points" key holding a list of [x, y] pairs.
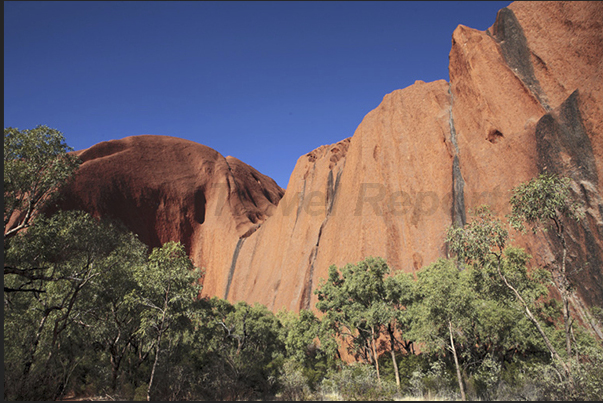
{"points": [[525, 96], [431, 153]]}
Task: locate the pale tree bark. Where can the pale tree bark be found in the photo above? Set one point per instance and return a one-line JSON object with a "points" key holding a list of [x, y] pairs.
{"points": [[533, 319], [375, 356], [393, 353], [456, 362], [161, 329]]}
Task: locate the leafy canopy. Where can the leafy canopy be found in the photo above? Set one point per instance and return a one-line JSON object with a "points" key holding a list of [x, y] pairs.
{"points": [[546, 197], [36, 164]]}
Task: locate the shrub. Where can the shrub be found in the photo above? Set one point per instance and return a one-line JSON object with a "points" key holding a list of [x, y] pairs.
{"points": [[357, 382]]}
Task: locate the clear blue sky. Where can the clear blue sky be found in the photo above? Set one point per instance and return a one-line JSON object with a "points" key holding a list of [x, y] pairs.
{"points": [[265, 82]]}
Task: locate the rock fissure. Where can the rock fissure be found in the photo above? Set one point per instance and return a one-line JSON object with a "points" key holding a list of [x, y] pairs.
{"points": [[330, 201], [458, 183], [307, 289], [233, 265]]}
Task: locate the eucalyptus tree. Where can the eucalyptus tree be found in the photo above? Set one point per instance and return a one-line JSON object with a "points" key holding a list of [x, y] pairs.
{"points": [[37, 163], [307, 344], [543, 203], [52, 264], [168, 286], [360, 303], [482, 243], [244, 349], [106, 314], [400, 294], [443, 311]]}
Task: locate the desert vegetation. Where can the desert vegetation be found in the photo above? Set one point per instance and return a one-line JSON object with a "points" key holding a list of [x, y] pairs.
{"points": [[91, 312]]}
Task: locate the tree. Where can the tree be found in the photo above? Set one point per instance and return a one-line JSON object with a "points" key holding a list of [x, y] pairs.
{"points": [[243, 348], [544, 202], [169, 285], [359, 304], [401, 293], [307, 344], [52, 264], [106, 315], [444, 310], [482, 243], [36, 165]]}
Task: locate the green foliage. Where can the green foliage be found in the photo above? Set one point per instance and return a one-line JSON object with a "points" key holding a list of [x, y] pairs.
{"points": [[168, 286], [243, 349], [479, 238], [438, 381], [356, 382], [541, 200], [407, 364], [56, 266], [89, 311], [445, 296], [36, 164], [307, 345], [355, 302], [294, 384]]}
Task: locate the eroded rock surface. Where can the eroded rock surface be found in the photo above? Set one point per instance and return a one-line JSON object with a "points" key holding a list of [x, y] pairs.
{"points": [[169, 189]]}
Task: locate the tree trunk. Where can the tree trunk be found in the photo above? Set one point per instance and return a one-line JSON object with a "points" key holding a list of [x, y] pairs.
{"points": [[158, 347], [565, 298], [375, 356], [393, 353], [115, 363], [531, 317], [34, 347], [456, 363], [157, 350]]}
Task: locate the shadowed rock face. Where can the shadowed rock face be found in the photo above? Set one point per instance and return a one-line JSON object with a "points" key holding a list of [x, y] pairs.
{"points": [[169, 189], [524, 97], [527, 99]]}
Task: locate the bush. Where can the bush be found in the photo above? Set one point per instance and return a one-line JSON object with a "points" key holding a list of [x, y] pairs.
{"points": [[435, 382], [140, 394], [485, 380], [293, 383], [357, 382]]}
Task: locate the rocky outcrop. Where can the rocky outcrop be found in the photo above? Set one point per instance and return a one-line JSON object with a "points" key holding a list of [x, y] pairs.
{"points": [[524, 97], [169, 189], [384, 192], [527, 98]]}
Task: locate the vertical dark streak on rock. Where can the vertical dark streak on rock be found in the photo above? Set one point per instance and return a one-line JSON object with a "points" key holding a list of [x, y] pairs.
{"points": [[459, 217], [509, 35], [564, 148], [332, 190], [565, 135], [300, 206], [233, 264], [307, 292], [330, 201]]}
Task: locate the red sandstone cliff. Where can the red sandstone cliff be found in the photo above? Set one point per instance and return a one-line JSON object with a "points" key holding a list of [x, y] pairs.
{"points": [[524, 96], [165, 188]]}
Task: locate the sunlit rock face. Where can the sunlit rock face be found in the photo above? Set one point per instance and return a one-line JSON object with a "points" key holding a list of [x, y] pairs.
{"points": [[525, 96], [384, 192]]}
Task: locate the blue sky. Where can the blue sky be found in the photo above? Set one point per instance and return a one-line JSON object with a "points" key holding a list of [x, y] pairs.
{"points": [[265, 82]]}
